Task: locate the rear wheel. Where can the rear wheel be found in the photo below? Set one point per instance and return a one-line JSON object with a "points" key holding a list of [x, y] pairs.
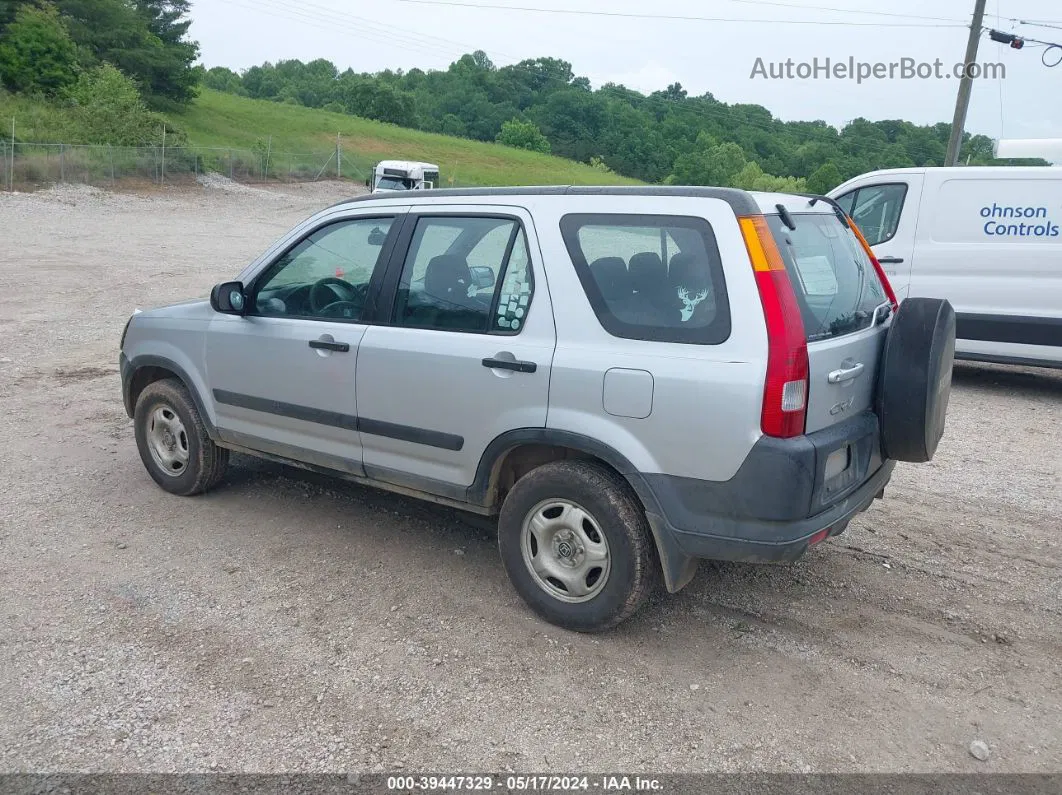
{"points": [[173, 441], [915, 383], [576, 545]]}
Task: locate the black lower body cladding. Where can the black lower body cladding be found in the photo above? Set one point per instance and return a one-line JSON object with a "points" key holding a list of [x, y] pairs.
{"points": [[775, 504], [915, 379]]}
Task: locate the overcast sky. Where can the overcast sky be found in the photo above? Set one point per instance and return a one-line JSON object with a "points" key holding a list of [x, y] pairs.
{"points": [[647, 54]]}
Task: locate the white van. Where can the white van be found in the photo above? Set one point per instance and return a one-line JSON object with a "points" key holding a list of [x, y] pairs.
{"points": [[988, 239], [396, 175]]}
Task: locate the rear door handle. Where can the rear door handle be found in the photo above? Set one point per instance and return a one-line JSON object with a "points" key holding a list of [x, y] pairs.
{"points": [[890, 260], [509, 364], [845, 374], [326, 345]]}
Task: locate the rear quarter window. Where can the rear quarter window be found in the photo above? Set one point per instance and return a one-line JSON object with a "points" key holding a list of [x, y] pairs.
{"points": [[651, 277]]}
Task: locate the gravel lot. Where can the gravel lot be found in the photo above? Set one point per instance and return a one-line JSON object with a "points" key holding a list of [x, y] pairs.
{"points": [[289, 623]]}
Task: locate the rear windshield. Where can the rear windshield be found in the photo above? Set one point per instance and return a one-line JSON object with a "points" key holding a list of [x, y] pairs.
{"points": [[835, 282]]}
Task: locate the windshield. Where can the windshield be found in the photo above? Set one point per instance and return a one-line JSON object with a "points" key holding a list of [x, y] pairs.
{"points": [[835, 282], [394, 183]]}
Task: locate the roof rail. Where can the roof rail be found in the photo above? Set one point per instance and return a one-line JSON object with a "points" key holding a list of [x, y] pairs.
{"points": [[740, 201]]}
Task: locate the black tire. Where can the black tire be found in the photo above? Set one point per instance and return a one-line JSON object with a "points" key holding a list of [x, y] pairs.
{"points": [[615, 513], [206, 462], [915, 383]]}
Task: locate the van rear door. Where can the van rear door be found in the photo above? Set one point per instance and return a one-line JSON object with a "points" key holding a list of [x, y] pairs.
{"points": [[885, 209], [844, 306]]}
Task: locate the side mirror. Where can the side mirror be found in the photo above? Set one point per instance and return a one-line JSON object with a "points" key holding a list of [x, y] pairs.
{"points": [[368, 184], [377, 237], [482, 276], [229, 299]]}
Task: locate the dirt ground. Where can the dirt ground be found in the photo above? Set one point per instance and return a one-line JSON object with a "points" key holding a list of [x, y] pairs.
{"points": [[289, 623]]}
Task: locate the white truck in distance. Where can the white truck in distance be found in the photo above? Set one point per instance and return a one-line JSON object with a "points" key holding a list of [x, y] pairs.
{"points": [[397, 175], [987, 239]]}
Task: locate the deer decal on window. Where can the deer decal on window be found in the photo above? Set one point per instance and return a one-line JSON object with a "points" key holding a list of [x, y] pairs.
{"points": [[690, 304]]}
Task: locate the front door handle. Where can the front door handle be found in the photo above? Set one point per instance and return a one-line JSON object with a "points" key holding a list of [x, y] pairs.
{"points": [[510, 364], [890, 260], [328, 345], [845, 374]]}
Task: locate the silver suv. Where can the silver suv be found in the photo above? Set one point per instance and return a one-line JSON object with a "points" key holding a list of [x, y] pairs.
{"points": [[630, 379]]}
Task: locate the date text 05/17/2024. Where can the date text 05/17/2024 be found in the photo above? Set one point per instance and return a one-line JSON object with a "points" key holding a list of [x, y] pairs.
{"points": [[518, 783]]}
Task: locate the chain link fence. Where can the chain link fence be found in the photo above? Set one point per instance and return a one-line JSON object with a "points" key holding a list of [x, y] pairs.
{"points": [[25, 166]]}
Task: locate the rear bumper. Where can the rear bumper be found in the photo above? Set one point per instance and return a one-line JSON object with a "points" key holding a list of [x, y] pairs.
{"points": [[773, 506]]}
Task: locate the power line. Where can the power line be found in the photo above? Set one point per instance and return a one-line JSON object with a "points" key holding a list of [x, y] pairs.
{"points": [[1036, 24], [1034, 21], [367, 29], [314, 22], [893, 14], [678, 17], [344, 18]]}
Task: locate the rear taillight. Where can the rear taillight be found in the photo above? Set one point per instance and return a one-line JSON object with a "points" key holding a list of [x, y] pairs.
{"points": [[877, 265], [785, 397]]}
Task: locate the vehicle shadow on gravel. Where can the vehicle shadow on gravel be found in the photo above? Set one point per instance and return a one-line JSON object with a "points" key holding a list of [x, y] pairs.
{"points": [[247, 471], [726, 594], [1003, 379]]}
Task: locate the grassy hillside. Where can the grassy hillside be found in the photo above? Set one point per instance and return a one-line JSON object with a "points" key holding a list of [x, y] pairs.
{"points": [[226, 120], [299, 140]]}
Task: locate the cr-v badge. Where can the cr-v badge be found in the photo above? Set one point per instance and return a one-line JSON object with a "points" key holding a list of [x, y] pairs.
{"points": [[840, 408]]}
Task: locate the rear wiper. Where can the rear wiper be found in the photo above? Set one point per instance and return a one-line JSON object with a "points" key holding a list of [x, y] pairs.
{"points": [[882, 312], [837, 209], [849, 322]]}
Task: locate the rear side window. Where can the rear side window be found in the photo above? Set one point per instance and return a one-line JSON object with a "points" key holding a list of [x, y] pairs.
{"points": [[651, 277], [468, 274], [835, 282]]}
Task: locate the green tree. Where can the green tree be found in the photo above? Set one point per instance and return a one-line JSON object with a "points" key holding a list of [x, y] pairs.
{"points": [[826, 178], [752, 177], [710, 165], [220, 78], [169, 74], [523, 135], [110, 110], [666, 135], [146, 39], [37, 55]]}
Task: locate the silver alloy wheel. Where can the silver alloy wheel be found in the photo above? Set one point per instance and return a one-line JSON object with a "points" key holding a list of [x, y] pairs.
{"points": [[167, 441], [565, 551]]}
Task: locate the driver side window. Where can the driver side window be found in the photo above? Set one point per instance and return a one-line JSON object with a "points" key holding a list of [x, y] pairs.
{"points": [[327, 274]]}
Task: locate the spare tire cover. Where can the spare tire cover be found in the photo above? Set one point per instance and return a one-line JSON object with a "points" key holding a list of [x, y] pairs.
{"points": [[915, 379]]}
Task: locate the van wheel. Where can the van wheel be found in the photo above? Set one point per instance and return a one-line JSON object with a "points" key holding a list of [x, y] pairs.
{"points": [[577, 546], [173, 442]]}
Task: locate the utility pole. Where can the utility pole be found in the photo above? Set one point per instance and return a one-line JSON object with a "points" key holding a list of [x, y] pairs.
{"points": [[339, 158], [962, 102]]}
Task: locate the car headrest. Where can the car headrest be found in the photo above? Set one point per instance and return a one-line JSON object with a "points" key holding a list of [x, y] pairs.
{"points": [[448, 277], [648, 271], [612, 277], [686, 271]]}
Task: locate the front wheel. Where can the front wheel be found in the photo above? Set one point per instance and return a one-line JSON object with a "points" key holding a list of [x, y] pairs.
{"points": [[173, 441], [577, 546]]}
